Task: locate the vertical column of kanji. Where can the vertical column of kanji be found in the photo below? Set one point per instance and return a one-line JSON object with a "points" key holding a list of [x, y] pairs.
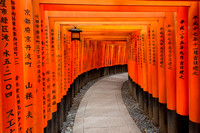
{"points": [[48, 68], [170, 69], [102, 55], [96, 57], [79, 56], [72, 64], [112, 54], [29, 65], [84, 54], [141, 62], [64, 56], [128, 45], [119, 56], [58, 61], [8, 88], [53, 65], [89, 55], [161, 77], [133, 57], [105, 55], [140, 74], [63, 41], [37, 42], [154, 70], [74, 59], [53, 74], [144, 67], [69, 61], [182, 69], [136, 60], [43, 66], [18, 58], [194, 65], [68, 42], [77, 43], [149, 72], [109, 54], [116, 56]]}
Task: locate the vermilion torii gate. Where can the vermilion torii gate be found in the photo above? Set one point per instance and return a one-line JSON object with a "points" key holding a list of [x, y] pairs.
{"points": [[42, 69]]}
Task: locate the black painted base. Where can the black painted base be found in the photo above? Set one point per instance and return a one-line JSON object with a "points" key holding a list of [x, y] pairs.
{"points": [[145, 99], [194, 127], [171, 121], [155, 111], [182, 124], [162, 118], [137, 92], [150, 101], [141, 102]]}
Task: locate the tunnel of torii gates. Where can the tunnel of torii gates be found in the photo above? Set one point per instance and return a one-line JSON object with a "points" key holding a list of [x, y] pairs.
{"points": [[42, 69]]}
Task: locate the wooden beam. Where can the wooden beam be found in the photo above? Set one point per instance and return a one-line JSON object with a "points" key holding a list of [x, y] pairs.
{"points": [[84, 14], [120, 2], [103, 8]]}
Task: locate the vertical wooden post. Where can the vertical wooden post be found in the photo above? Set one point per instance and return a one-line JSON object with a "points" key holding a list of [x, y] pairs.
{"points": [[7, 80], [54, 75], [144, 68], [38, 54], [162, 77], [154, 59], [194, 65], [29, 65], [170, 67], [182, 69], [149, 72], [43, 65]]}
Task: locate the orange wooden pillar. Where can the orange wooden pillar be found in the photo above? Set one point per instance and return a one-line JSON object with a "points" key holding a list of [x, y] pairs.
{"points": [[18, 58], [194, 65], [154, 59], [136, 66], [48, 73], [9, 116], [30, 83], [170, 67], [144, 68], [149, 72], [38, 53], [133, 64], [43, 66], [53, 74], [140, 72], [182, 70], [162, 77]]}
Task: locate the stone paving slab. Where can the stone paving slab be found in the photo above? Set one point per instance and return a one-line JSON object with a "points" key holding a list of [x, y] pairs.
{"points": [[102, 109]]}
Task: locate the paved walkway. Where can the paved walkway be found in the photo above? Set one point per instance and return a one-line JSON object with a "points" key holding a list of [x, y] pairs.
{"points": [[102, 109]]}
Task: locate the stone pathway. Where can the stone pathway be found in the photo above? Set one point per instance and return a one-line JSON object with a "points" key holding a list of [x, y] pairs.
{"points": [[102, 109]]}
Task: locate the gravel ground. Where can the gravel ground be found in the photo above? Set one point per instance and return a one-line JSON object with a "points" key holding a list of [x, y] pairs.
{"points": [[68, 125], [142, 121]]}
